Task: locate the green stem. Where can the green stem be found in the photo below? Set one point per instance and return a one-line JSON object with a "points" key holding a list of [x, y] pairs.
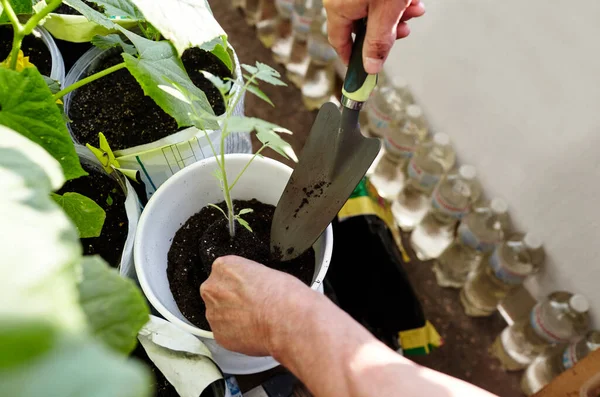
{"points": [[88, 80], [246, 166], [36, 18], [226, 188], [14, 52], [12, 17]]}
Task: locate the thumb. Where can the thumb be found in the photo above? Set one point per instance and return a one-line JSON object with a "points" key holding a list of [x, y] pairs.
{"points": [[382, 26]]}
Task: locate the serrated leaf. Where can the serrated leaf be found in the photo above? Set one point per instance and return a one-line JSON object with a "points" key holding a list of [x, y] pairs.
{"points": [[115, 308], [186, 24], [158, 66], [87, 216], [219, 208], [27, 106], [250, 69], [119, 8], [243, 223], [113, 40], [222, 86], [91, 14], [267, 74], [256, 91], [245, 211]]}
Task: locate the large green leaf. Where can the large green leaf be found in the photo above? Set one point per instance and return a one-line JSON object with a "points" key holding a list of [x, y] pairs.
{"points": [[27, 106], [120, 8], [113, 40], [186, 24], [39, 246], [266, 132], [87, 216], [67, 366], [20, 7], [158, 67], [115, 308], [91, 14]]}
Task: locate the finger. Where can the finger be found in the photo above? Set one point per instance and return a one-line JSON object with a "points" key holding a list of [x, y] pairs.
{"points": [[402, 30], [413, 11], [339, 30], [384, 16]]}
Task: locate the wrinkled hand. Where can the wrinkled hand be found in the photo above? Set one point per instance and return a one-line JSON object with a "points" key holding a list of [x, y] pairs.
{"points": [[386, 23], [248, 305]]}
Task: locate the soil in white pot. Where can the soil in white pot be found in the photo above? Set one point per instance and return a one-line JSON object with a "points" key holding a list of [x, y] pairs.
{"points": [[117, 106], [205, 237], [32, 47], [109, 195]]}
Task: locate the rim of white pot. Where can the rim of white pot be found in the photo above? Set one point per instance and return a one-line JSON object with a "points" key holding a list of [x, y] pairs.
{"points": [[155, 202]]}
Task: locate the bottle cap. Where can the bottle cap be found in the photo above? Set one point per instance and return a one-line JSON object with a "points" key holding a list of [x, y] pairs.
{"points": [[414, 112], [498, 205], [579, 303], [441, 139], [399, 83], [532, 241], [467, 172]]}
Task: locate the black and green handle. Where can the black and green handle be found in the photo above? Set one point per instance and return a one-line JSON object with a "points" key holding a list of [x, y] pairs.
{"points": [[358, 85]]}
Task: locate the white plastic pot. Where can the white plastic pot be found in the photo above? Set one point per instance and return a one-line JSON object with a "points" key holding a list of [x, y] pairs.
{"points": [[78, 29], [174, 203], [57, 69], [157, 161]]}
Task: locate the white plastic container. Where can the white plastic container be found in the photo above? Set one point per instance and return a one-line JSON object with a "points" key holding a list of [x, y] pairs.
{"points": [[57, 69], [173, 204], [159, 160], [78, 29]]}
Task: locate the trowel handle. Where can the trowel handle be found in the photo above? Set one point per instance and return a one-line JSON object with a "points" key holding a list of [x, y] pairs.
{"points": [[358, 84]]}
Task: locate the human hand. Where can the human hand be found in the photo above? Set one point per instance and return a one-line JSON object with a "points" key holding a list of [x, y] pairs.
{"points": [[386, 23], [248, 304]]}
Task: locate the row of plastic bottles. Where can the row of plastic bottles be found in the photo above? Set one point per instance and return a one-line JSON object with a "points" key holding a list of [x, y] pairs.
{"points": [[296, 33]]}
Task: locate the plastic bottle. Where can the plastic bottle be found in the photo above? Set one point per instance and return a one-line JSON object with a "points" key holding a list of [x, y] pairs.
{"points": [[560, 318], [267, 23], [387, 106], [252, 11], [382, 79], [319, 82], [399, 146], [508, 266], [432, 159], [282, 33], [478, 234], [238, 4], [302, 16], [556, 360], [451, 201]]}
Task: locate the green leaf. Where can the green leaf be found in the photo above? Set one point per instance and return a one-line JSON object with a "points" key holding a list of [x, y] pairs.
{"points": [[119, 8], [91, 14], [67, 365], [27, 106], [53, 85], [113, 40], [243, 223], [109, 200], [157, 67], [115, 308], [20, 7], [265, 73], [219, 208], [87, 216], [220, 51], [256, 91], [245, 211], [186, 24], [222, 86]]}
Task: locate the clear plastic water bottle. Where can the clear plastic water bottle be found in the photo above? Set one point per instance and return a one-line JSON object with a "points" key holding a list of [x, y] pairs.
{"points": [[478, 234], [555, 361], [319, 82], [267, 23], [509, 265], [560, 318], [387, 106], [432, 159], [302, 16], [252, 11], [399, 145], [382, 79], [282, 35], [451, 201]]}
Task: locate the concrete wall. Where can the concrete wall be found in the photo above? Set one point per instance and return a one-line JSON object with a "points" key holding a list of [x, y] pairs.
{"points": [[516, 84]]}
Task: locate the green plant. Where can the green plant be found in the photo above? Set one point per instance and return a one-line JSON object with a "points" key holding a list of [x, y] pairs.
{"points": [[267, 133], [66, 321]]}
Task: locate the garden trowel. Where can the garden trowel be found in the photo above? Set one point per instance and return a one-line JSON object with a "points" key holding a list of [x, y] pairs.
{"points": [[335, 158]]}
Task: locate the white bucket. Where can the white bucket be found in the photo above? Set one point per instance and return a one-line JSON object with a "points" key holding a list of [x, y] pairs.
{"points": [[182, 196]]}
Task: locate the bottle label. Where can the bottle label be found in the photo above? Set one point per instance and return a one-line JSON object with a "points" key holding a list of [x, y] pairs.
{"points": [[469, 239], [301, 23], [542, 328], [503, 272], [440, 203], [402, 151], [569, 358], [424, 179], [321, 51], [378, 120]]}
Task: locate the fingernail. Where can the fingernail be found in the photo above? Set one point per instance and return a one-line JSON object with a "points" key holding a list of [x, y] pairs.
{"points": [[373, 65]]}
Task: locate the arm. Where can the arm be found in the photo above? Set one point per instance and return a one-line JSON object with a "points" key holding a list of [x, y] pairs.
{"points": [[256, 310]]}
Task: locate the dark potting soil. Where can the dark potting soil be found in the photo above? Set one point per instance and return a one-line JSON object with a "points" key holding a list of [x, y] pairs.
{"points": [[116, 104], [205, 236], [32, 47], [99, 187]]}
